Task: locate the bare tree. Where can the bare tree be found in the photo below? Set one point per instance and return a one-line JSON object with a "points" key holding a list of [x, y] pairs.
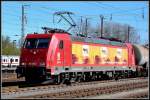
{"points": [[111, 30], [119, 31]]}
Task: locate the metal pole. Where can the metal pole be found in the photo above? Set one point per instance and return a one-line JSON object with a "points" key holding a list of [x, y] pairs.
{"points": [[102, 18], [80, 30], [22, 26], [128, 33], [86, 27]]}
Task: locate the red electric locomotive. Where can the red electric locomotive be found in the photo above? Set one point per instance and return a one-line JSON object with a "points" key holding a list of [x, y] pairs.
{"points": [[57, 55]]}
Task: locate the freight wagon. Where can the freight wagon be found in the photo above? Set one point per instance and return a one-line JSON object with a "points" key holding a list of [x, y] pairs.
{"points": [[9, 63]]}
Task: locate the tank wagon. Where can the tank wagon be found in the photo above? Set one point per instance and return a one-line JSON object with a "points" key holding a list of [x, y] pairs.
{"points": [[141, 54], [59, 56]]}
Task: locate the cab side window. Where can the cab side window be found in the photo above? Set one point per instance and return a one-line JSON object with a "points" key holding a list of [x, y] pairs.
{"points": [[132, 51], [61, 44]]}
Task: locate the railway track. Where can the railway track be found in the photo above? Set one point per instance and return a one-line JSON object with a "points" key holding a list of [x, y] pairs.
{"points": [[17, 86], [76, 90], [131, 94], [10, 77]]}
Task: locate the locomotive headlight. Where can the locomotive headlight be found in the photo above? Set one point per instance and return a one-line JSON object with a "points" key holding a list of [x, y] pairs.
{"points": [[42, 64], [22, 63], [33, 64], [29, 63]]}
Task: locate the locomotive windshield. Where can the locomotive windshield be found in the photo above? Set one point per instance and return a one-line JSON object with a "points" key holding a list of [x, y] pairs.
{"points": [[36, 43]]}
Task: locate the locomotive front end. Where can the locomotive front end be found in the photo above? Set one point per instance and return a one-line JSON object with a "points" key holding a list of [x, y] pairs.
{"points": [[33, 57]]}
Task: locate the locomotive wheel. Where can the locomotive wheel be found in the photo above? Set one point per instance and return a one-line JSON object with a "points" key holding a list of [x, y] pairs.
{"points": [[57, 79], [116, 77], [88, 78], [67, 82], [63, 81], [79, 79], [105, 77]]}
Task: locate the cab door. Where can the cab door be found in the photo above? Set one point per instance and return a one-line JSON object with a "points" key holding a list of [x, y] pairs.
{"points": [[60, 54], [65, 52]]}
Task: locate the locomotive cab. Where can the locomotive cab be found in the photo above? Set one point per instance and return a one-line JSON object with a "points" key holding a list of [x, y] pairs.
{"points": [[33, 55], [39, 54]]}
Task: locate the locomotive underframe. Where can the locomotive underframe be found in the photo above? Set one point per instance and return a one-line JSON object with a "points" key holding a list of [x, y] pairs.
{"points": [[76, 73], [31, 73]]}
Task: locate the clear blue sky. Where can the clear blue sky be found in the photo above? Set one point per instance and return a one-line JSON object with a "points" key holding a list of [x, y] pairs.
{"points": [[40, 13]]}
